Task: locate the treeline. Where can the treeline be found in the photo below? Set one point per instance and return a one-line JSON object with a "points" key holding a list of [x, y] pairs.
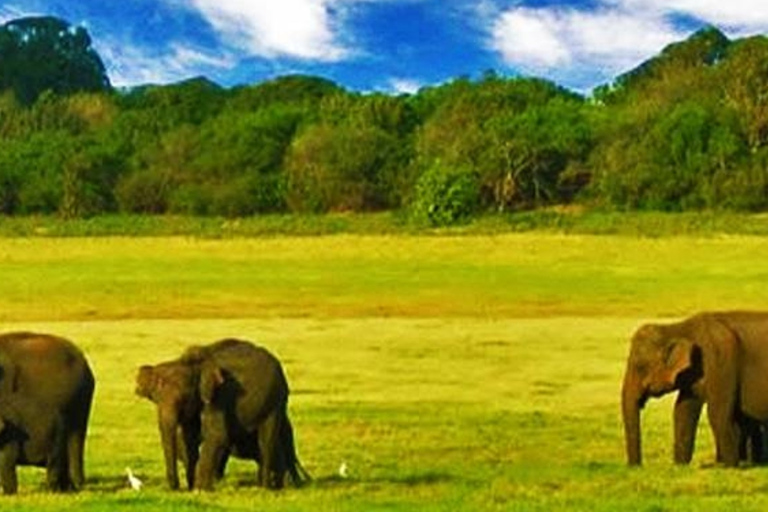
{"points": [[686, 130]]}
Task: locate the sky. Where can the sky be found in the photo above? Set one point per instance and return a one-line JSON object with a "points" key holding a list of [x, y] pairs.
{"points": [[387, 45]]}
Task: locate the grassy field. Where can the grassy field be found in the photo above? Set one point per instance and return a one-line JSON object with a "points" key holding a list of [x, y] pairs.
{"points": [[449, 373]]}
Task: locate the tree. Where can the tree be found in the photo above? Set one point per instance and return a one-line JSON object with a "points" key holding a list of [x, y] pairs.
{"points": [[356, 157], [744, 76], [45, 53], [518, 135]]}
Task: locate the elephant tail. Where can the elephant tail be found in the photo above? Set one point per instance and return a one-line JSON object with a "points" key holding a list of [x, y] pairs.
{"points": [[298, 476]]}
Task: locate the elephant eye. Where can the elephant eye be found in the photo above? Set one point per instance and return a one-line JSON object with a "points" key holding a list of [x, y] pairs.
{"points": [[641, 368]]}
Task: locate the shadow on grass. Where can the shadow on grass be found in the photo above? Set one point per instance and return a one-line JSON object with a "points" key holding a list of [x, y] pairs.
{"points": [[407, 480]]}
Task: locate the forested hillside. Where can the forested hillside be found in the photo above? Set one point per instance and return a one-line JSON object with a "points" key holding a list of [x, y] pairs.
{"points": [[685, 130]]}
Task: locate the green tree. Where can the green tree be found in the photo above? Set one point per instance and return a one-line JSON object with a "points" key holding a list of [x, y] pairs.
{"points": [[45, 53], [519, 135], [744, 75]]}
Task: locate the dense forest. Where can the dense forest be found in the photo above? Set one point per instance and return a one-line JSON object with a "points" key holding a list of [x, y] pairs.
{"points": [[686, 130]]}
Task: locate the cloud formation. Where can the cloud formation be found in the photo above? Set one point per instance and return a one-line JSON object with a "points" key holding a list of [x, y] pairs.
{"points": [[131, 65], [565, 43], [739, 16], [302, 29], [404, 85]]}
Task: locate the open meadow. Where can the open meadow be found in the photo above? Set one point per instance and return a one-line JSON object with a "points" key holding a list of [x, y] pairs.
{"points": [[448, 372]]}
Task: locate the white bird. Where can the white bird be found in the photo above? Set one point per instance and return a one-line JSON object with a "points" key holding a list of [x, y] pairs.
{"points": [[134, 482], [343, 470]]}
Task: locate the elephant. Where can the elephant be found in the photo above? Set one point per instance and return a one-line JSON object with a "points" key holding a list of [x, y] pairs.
{"points": [[718, 358], [245, 398], [175, 387], [753, 444], [46, 390]]}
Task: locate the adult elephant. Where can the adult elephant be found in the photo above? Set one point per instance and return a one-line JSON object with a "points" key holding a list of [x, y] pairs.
{"points": [[245, 400], [202, 397], [46, 389], [717, 358]]}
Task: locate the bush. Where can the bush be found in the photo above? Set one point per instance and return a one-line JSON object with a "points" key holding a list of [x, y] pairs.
{"points": [[144, 191], [248, 195], [445, 195], [241, 197], [192, 199]]}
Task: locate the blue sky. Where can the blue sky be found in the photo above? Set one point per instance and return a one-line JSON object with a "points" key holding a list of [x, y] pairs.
{"points": [[387, 45]]}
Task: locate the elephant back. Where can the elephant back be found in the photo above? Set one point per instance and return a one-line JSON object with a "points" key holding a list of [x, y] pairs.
{"points": [[48, 368], [253, 379]]}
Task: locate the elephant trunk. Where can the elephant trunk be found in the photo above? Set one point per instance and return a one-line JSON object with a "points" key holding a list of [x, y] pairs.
{"points": [[168, 426], [630, 404]]}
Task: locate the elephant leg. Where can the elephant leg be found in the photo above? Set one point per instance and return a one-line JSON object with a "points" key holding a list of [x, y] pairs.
{"points": [[213, 450], [168, 425], [686, 419], [8, 456], [271, 468], [191, 451], [726, 432], [75, 451], [752, 441], [759, 440], [57, 467], [222, 467], [211, 457], [76, 442]]}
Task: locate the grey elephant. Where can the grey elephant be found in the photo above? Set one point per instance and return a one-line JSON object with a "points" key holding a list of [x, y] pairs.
{"points": [[46, 389], [245, 412], [717, 358], [226, 398]]}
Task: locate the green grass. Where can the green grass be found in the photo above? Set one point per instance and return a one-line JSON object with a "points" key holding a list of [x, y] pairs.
{"points": [[501, 276], [429, 414], [450, 373], [571, 220]]}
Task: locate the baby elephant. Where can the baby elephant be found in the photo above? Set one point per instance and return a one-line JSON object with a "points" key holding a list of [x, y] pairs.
{"points": [[226, 398]]}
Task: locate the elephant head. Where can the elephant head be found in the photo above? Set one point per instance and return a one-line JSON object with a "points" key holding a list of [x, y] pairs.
{"points": [[169, 382], [660, 357]]}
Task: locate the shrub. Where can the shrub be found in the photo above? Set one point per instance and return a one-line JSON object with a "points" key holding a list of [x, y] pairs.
{"points": [[446, 195], [192, 199], [144, 191]]}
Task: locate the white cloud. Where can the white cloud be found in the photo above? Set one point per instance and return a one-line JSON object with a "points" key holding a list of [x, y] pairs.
{"points": [[404, 86], [559, 42], [130, 65], [304, 29], [736, 15], [582, 48], [182, 57], [531, 38]]}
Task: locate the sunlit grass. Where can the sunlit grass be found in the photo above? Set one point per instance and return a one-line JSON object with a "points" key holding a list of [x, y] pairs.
{"points": [[429, 414], [517, 275]]}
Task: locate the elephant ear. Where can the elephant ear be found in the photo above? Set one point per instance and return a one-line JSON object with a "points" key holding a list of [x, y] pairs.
{"points": [[679, 358], [211, 377]]}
